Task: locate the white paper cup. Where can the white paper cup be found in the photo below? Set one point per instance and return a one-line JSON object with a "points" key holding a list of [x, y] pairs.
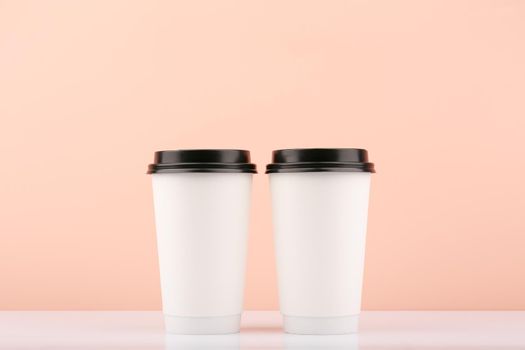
{"points": [[320, 207], [202, 204]]}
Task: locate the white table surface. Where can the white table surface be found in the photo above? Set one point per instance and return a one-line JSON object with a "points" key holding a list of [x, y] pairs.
{"points": [[262, 330]]}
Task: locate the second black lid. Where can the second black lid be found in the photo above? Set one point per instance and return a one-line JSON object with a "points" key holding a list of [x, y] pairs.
{"points": [[320, 159], [202, 160]]}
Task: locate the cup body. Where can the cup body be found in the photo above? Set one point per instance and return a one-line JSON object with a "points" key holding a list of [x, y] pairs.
{"points": [[320, 221], [202, 226]]}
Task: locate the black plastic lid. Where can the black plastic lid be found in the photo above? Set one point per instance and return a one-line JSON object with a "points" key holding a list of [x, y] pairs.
{"points": [[202, 161], [320, 159]]}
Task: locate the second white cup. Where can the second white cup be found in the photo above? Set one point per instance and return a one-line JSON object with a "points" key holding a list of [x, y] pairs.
{"points": [[320, 208]]}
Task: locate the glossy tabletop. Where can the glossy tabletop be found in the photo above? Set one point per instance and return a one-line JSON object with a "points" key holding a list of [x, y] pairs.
{"points": [[262, 330]]}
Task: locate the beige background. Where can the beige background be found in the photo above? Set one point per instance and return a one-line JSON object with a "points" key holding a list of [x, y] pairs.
{"points": [[435, 91]]}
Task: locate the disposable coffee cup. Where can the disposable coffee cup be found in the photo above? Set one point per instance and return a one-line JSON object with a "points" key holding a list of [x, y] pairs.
{"points": [[202, 205], [320, 209]]}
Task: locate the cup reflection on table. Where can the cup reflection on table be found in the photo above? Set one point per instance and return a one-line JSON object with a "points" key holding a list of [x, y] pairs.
{"points": [[204, 342]]}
